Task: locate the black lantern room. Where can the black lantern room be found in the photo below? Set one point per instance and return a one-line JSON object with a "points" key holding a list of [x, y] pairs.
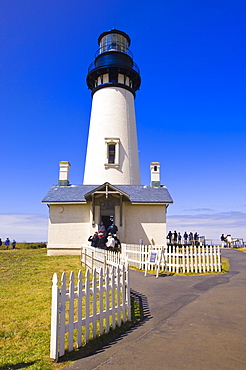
{"points": [[113, 64]]}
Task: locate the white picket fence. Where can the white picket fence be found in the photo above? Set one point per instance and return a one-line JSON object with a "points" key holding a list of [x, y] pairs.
{"points": [[86, 310], [97, 258], [179, 259]]}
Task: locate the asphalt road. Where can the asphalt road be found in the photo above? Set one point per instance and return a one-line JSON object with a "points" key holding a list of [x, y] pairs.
{"points": [[193, 322]]}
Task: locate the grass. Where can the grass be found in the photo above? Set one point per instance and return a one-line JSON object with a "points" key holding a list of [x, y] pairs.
{"points": [[25, 305], [25, 246], [241, 249]]}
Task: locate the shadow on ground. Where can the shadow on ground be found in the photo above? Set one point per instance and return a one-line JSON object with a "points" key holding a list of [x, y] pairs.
{"points": [[105, 341], [20, 365]]}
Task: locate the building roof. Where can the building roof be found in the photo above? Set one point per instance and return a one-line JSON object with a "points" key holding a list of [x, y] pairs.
{"points": [[136, 193]]}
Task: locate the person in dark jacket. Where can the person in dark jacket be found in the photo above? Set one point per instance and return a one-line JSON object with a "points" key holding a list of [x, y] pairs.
{"points": [[175, 237], [93, 239], [112, 229], [7, 243], [196, 238], [185, 237], [169, 237], [101, 240]]}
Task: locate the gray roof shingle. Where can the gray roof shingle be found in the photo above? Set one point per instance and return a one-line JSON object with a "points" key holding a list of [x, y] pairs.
{"points": [[137, 193]]}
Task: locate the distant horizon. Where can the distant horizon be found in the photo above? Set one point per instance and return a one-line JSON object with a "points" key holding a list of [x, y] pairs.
{"points": [[190, 109], [180, 223]]}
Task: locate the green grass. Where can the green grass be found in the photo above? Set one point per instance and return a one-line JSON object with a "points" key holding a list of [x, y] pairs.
{"points": [[25, 306], [241, 249], [25, 246]]}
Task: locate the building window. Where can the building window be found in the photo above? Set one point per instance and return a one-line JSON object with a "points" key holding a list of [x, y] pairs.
{"points": [[155, 168], [112, 152]]}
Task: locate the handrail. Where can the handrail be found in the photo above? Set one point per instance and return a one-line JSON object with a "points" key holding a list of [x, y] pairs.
{"points": [[92, 66]]}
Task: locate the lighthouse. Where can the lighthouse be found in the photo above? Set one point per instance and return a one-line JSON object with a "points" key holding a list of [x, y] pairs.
{"points": [[112, 148], [111, 190]]}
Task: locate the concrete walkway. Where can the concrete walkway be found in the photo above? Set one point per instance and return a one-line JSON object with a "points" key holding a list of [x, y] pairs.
{"points": [[193, 322]]}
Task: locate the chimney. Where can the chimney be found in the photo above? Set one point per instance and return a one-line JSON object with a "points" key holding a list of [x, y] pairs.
{"points": [[64, 173], [155, 174]]}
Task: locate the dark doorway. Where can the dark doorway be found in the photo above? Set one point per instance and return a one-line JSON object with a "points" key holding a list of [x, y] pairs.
{"points": [[106, 220], [107, 213]]}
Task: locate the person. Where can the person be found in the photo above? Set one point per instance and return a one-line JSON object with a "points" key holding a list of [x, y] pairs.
{"points": [[7, 243], [102, 227], [117, 246], [112, 229], [175, 237], [228, 241], [101, 240], [223, 239], [1, 242], [169, 237], [196, 238], [13, 244], [111, 242], [93, 239], [179, 238], [185, 237], [190, 238]]}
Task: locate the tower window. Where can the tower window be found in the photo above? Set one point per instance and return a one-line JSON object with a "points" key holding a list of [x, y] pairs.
{"points": [[155, 168], [111, 153], [112, 146]]}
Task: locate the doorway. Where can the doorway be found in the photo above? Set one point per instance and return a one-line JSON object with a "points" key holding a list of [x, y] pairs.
{"points": [[107, 211]]}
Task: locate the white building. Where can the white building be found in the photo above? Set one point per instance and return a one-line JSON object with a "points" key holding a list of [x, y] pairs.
{"points": [[111, 188]]}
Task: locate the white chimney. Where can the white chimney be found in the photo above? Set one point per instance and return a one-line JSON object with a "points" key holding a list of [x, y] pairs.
{"points": [[155, 174], [64, 173]]}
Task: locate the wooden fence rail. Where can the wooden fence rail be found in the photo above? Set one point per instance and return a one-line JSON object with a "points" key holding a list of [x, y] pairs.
{"points": [[88, 309]]}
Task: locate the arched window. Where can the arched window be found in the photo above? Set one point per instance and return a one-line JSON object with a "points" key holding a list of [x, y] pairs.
{"points": [[155, 168]]}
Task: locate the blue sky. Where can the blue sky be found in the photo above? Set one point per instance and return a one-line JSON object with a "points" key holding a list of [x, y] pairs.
{"points": [[190, 109]]}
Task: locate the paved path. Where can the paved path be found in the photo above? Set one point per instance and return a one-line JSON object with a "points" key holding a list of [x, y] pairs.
{"points": [[194, 322]]}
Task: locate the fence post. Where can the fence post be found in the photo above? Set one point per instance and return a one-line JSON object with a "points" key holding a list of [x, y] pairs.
{"points": [[62, 314], [71, 311], [87, 307], [92, 261], [104, 265], [219, 258], [79, 316], [54, 319], [128, 292], [101, 299]]}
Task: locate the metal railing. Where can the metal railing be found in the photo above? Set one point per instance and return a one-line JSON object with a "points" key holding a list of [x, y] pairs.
{"points": [[135, 67]]}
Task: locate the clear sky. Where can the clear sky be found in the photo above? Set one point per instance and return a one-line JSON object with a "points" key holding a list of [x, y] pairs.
{"points": [[190, 109]]}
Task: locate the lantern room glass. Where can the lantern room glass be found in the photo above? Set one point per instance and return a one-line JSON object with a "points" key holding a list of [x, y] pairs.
{"points": [[113, 42]]}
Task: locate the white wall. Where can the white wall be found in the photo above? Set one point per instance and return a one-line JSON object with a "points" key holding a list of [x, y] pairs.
{"points": [[112, 116], [69, 228], [71, 225], [146, 222]]}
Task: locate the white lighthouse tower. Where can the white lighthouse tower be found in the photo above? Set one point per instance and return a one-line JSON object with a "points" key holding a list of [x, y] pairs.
{"points": [[112, 149]]}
